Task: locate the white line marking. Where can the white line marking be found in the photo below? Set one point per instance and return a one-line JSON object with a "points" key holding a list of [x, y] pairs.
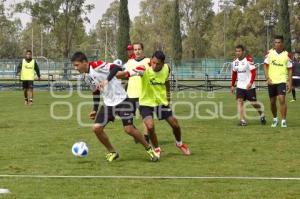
{"points": [[158, 177], [4, 191]]}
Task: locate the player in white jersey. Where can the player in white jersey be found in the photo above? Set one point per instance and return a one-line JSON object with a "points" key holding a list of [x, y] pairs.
{"points": [[101, 78], [244, 71]]}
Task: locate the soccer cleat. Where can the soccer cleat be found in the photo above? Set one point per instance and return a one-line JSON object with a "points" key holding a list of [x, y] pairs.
{"points": [[184, 149], [112, 156], [274, 123], [242, 123], [157, 151], [263, 120], [153, 156], [283, 124], [293, 100]]}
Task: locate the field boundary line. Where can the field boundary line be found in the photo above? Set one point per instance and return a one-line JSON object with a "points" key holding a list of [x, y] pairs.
{"points": [[157, 177]]}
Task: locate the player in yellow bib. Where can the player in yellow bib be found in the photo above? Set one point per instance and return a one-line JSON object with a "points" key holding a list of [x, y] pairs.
{"points": [[27, 68], [134, 86], [154, 98], [278, 73]]}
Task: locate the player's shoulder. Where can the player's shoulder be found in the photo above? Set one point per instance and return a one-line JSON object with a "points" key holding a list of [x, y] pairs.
{"points": [[97, 64], [249, 59]]}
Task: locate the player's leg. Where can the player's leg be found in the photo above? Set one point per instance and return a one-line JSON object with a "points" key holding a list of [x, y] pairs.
{"points": [[165, 113], [241, 111], [272, 89], [102, 118], [30, 92], [294, 94], [240, 97], [281, 90], [25, 87], [251, 96], [147, 115], [125, 112]]}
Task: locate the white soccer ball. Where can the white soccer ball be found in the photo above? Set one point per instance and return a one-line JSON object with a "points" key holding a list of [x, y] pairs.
{"points": [[80, 149]]}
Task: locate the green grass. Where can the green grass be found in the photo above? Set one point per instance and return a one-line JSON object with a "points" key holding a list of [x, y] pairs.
{"points": [[33, 143]]}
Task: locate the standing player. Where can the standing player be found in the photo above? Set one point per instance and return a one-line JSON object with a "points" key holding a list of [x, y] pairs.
{"points": [[243, 70], [101, 76], [27, 68], [134, 87], [296, 74], [278, 72], [155, 98]]}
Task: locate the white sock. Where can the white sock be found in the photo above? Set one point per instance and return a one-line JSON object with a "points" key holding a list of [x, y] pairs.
{"points": [[275, 119], [262, 115], [282, 121], [178, 143]]}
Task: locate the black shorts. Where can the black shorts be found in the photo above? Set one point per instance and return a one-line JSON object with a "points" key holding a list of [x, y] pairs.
{"points": [[107, 114], [249, 95], [135, 104], [277, 89], [296, 82], [162, 112], [27, 84]]}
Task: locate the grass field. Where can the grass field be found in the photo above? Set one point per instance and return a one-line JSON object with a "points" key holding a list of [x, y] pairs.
{"points": [[33, 143]]}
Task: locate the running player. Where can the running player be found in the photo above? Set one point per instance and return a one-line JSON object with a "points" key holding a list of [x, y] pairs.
{"points": [[155, 98], [101, 77], [278, 72], [243, 70]]}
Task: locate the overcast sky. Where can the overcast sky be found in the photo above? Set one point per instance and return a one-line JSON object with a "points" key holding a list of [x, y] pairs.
{"points": [[100, 8]]}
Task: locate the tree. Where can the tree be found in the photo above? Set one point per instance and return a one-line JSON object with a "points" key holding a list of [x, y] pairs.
{"points": [[62, 18], [177, 41], [9, 35], [123, 30], [196, 23], [284, 23]]}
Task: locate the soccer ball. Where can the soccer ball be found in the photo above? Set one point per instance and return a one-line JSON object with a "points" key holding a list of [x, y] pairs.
{"points": [[80, 149]]}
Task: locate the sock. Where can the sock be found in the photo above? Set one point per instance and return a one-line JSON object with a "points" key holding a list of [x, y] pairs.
{"points": [[283, 121], [262, 115], [275, 119], [178, 143], [294, 94], [26, 99], [243, 121]]}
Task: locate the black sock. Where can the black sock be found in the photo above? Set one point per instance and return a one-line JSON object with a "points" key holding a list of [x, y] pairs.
{"points": [[294, 94], [146, 136]]}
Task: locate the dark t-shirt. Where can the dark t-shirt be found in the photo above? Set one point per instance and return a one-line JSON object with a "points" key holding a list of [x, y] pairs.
{"points": [[296, 68]]}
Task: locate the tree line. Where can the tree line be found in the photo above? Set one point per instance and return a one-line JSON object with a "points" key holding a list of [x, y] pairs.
{"points": [[184, 29]]}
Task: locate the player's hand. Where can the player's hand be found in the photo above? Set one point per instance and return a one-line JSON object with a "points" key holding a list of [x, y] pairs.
{"points": [[269, 81], [232, 90], [102, 85], [138, 71], [92, 115], [248, 86]]}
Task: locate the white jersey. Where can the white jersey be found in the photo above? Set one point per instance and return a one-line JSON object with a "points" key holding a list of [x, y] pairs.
{"points": [[114, 93], [243, 69]]}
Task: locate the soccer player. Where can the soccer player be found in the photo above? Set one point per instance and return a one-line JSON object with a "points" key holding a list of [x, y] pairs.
{"points": [[243, 70], [27, 68], [101, 77], [296, 74], [278, 72], [155, 98], [134, 86]]}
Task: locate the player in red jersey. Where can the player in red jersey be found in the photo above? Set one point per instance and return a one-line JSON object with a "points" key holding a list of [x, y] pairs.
{"points": [[244, 72]]}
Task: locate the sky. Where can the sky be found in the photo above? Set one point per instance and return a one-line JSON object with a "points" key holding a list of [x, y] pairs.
{"points": [[100, 8]]}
